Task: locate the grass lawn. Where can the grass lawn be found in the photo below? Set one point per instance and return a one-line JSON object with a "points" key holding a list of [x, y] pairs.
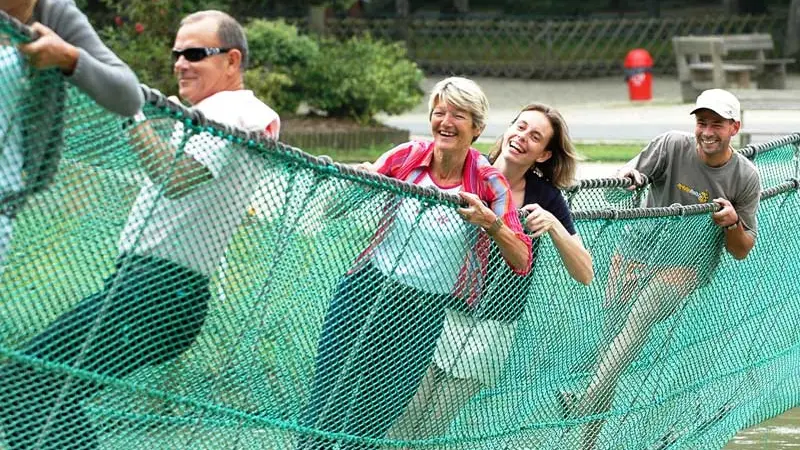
{"points": [[592, 152]]}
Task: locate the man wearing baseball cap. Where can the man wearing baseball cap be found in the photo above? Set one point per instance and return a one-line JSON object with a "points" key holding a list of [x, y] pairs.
{"points": [[707, 164], [650, 275]]}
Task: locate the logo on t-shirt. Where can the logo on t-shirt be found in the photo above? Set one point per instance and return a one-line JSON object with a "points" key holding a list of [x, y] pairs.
{"points": [[702, 196]]}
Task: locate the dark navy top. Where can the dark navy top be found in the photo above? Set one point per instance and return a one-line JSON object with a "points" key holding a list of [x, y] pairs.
{"points": [[504, 294], [538, 190]]}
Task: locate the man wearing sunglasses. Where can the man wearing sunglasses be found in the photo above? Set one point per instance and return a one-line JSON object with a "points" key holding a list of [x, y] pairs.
{"points": [[193, 199]]}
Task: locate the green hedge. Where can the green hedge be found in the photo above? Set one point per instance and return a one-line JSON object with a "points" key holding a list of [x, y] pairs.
{"points": [[361, 77], [356, 78], [279, 55]]}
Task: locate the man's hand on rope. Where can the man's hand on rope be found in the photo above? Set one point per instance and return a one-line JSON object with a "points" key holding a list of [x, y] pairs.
{"points": [[727, 216], [50, 51], [367, 166], [632, 174]]}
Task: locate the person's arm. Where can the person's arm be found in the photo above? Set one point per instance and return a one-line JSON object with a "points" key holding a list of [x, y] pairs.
{"points": [[651, 162], [738, 242], [740, 223], [160, 161], [504, 228], [576, 258], [68, 41]]}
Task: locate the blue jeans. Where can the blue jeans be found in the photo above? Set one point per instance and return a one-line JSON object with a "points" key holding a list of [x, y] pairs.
{"points": [[149, 312], [375, 346]]}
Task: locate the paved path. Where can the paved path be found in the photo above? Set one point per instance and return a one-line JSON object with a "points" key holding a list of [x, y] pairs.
{"points": [[597, 170], [596, 110]]}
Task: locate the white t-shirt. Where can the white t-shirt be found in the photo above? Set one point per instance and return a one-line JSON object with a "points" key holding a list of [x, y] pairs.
{"points": [[424, 252], [10, 120], [194, 230]]}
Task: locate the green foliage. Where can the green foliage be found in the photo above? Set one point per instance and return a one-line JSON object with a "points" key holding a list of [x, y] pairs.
{"points": [[273, 88], [335, 4], [146, 53], [361, 77], [141, 34], [357, 78], [278, 54], [277, 43]]}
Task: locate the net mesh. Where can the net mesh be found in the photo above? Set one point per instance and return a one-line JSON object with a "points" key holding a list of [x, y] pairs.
{"points": [[242, 315]]}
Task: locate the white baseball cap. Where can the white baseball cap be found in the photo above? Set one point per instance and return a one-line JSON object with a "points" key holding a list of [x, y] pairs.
{"points": [[721, 102]]}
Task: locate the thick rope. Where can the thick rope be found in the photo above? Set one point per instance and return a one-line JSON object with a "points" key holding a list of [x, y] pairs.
{"points": [[754, 149], [263, 144], [17, 27]]}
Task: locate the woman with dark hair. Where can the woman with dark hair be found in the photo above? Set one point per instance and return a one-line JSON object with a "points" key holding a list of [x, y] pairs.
{"points": [[537, 157]]}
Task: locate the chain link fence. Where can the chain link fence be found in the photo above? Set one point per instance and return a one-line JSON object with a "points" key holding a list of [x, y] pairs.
{"points": [[548, 49]]}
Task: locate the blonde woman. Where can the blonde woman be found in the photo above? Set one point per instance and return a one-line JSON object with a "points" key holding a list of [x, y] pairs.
{"points": [[385, 316]]}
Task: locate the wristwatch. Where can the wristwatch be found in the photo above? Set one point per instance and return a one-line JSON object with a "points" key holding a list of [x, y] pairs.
{"points": [[734, 225], [496, 225]]}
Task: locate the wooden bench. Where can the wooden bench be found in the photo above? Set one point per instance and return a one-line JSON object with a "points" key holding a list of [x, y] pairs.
{"points": [[701, 67], [752, 49], [766, 100]]}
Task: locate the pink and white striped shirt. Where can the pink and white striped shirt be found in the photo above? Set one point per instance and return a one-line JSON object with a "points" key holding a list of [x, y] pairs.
{"points": [[407, 161]]}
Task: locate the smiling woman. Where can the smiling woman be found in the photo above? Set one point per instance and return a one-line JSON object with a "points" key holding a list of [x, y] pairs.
{"points": [[418, 286]]}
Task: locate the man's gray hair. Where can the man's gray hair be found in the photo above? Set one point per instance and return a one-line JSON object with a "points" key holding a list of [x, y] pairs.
{"points": [[230, 31], [464, 94]]}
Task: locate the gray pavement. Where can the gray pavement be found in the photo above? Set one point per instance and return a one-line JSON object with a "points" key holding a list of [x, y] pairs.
{"points": [[597, 110]]}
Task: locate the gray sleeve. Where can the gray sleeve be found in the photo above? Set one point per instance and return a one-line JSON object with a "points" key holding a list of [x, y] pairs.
{"points": [[99, 72], [746, 203], [652, 161]]}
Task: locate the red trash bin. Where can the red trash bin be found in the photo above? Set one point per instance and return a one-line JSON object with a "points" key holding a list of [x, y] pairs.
{"points": [[639, 74]]}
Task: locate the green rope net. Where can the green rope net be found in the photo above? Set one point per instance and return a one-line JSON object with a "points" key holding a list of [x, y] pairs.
{"points": [[238, 312]]}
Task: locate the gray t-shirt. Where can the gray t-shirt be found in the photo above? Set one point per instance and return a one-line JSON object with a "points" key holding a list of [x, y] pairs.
{"points": [[678, 175], [99, 72]]}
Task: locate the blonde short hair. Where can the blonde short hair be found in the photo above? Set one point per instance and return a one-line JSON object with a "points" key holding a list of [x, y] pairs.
{"points": [[464, 94]]}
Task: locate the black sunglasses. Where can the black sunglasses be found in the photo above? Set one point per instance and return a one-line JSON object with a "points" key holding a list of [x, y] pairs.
{"points": [[195, 54]]}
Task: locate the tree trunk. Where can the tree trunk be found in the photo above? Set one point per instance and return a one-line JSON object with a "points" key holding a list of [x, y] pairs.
{"points": [[461, 6], [617, 5], [793, 30], [654, 8], [401, 8], [316, 19], [731, 7]]}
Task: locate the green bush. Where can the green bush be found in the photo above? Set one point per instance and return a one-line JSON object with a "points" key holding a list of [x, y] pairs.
{"points": [[278, 54], [273, 88], [361, 77], [147, 54], [278, 44]]}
